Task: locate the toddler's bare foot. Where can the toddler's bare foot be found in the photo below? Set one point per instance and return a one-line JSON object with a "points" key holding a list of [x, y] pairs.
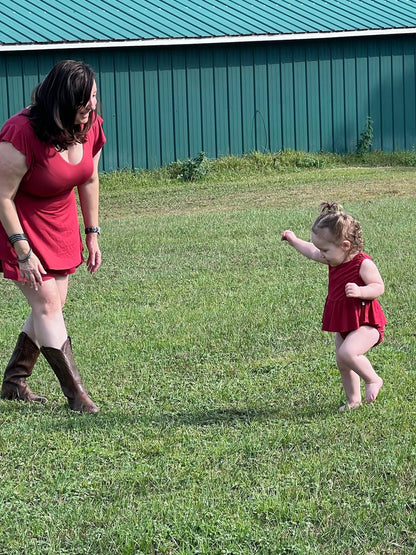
{"points": [[372, 390], [350, 406]]}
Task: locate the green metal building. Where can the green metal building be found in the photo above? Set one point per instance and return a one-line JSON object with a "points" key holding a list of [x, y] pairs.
{"points": [[177, 77]]}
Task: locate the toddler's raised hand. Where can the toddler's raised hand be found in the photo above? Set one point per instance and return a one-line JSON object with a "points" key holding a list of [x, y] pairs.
{"points": [[288, 235]]}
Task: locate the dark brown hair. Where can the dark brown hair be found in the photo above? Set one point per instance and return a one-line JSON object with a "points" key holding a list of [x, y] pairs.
{"points": [[55, 102], [342, 226]]}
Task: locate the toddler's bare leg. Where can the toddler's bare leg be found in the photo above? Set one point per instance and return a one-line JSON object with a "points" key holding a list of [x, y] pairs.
{"points": [[350, 379], [351, 354]]}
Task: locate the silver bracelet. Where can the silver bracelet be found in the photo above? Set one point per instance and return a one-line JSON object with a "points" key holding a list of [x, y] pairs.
{"points": [[26, 258], [17, 237]]}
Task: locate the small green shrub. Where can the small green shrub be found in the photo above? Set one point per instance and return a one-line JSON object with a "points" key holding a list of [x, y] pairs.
{"points": [[366, 137], [190, 169]]}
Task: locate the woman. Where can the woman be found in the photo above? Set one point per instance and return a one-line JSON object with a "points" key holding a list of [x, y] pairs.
{"points": [[47, 150]]}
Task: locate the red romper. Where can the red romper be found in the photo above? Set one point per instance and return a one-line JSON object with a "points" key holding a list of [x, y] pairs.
{"points": [[344, 314], [45, 201]]}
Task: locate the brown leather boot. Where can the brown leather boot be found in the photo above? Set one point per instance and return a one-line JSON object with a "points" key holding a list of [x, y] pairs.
{"points": [[19, 368], [63, 364]]}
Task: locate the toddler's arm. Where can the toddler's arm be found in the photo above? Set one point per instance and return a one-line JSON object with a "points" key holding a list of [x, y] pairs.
{"points": [[374, 285], [306, 248]]}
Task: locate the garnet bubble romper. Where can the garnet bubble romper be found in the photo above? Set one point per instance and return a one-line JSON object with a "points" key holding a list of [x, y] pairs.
{"points": [[345, 314]]}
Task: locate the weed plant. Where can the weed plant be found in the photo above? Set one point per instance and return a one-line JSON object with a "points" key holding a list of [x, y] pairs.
{"points": [[199, 338], [366, 137], [190, 169]]}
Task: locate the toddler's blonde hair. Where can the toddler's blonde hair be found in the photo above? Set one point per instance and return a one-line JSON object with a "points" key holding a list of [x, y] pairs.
{"points": [[342, 226]]}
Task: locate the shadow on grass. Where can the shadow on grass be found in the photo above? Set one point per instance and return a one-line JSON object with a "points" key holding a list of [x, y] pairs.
{"points": [[60, 416], [231, 416]]}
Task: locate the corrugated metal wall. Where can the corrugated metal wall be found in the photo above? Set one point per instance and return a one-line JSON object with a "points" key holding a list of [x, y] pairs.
{"points": [[163, 104]]}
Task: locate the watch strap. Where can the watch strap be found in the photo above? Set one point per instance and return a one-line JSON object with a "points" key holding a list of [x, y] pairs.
{"points": [[93, 230]]}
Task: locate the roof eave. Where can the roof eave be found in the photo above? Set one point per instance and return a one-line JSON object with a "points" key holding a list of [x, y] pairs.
{"points": [[206, 40]]}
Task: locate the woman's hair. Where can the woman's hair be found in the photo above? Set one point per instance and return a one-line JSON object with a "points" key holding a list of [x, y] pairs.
{"points": [[55, 102], [342, 226]]}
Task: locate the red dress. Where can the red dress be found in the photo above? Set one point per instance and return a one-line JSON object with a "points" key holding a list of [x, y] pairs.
{"points": [[45, 201], [345, 314]]}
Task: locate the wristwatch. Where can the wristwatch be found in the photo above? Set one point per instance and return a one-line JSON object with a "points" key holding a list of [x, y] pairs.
{"points": [[93, 230]]}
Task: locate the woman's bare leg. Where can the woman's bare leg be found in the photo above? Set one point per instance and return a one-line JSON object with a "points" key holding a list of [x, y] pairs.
{"points": [[45, 324]]}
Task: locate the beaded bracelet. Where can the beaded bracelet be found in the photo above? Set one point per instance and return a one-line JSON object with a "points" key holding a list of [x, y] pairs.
{"points": [[17, 237], [26, 258]]}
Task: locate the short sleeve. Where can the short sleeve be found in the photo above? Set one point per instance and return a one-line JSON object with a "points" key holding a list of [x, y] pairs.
{"points": [[18, 131], [98, 135]]}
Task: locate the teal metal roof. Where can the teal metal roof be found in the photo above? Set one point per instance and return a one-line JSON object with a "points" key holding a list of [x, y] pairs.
{"points": [[31, 22]]}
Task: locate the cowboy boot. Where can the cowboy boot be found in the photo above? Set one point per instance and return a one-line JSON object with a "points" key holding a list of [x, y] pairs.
{"points": [[63, 364], [19, 368]]}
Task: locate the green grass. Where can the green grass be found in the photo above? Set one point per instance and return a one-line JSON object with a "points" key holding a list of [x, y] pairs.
{"points": [[200, 341]]}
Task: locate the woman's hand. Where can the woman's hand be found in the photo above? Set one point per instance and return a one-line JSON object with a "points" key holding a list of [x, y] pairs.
{"points": [[94, 253], [31, 272]]}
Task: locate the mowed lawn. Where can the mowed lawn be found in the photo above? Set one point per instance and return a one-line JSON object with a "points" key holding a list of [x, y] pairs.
{"points": [[199, 338]]}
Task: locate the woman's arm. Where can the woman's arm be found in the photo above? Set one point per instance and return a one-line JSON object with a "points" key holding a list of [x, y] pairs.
{"points": [[12, 169], [374, 285], [89, 199], [304, 247]]}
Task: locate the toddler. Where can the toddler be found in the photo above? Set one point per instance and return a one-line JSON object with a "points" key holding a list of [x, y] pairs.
{"points": [[351, 308]]}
